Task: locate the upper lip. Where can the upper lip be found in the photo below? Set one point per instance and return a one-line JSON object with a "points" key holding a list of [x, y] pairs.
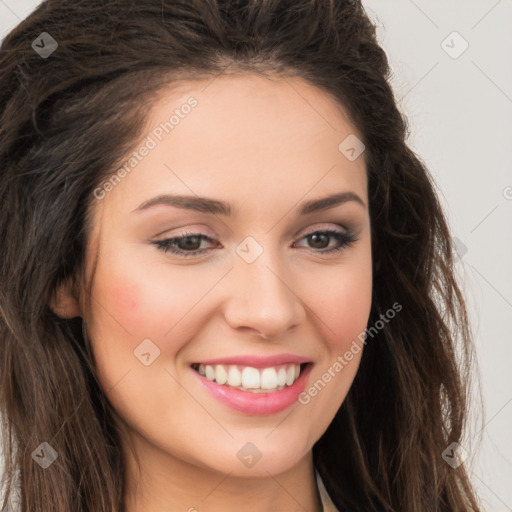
{"points": [[257, 361]]}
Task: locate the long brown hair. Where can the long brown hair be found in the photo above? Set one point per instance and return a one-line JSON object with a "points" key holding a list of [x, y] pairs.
{"points": [[67, 119]]}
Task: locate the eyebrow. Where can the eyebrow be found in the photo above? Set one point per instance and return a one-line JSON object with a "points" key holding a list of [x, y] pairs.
{"points": [[216, 207]]}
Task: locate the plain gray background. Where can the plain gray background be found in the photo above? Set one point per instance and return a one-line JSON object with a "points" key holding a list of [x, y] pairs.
{"points": [[458, 102]]}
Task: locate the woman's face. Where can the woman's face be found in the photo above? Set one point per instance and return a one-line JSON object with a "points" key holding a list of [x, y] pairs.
{"points": [[253, 296]]}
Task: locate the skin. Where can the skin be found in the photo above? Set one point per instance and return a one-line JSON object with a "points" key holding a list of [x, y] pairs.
{"points": [[265, 146]]}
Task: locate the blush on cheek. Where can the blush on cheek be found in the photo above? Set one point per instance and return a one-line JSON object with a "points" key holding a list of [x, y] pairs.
{"points": [[348, 319], [124, 300], [141, 308]]}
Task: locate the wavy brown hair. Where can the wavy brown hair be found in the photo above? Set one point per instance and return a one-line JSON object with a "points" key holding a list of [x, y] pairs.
{"points": [[66, 123]]}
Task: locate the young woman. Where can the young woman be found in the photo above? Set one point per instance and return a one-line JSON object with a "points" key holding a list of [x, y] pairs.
{"points": [[226, 280]]}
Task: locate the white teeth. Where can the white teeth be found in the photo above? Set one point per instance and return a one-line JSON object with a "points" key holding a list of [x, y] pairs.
{"points": [[221, 376], [281, 377], [268, 378], [250, 378], [234, 377], [210, 372], [290, 375]]}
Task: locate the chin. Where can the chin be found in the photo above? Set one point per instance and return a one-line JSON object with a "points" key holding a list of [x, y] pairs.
{"points": [[254, 456]]}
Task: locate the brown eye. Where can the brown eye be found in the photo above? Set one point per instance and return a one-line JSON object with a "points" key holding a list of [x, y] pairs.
{"points": [[320, 239], [187, 245]]}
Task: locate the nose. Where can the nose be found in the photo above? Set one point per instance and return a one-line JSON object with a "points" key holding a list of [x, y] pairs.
{"points": [[264, 297]]}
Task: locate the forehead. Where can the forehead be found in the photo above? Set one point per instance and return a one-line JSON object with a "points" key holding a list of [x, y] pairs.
{"points": [[242, 138]]}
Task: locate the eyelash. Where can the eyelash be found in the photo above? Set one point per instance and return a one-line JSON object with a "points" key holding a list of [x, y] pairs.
{"points": [[346, 239]]}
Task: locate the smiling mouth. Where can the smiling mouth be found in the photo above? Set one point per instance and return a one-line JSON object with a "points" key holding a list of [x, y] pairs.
{"points": [[248, 378]]}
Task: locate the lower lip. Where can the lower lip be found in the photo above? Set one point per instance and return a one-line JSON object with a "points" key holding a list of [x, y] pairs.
{"points": [[257, 403]]}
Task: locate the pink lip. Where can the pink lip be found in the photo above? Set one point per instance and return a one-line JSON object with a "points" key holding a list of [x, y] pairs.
{"points": [[257, 403], [258, 361]]}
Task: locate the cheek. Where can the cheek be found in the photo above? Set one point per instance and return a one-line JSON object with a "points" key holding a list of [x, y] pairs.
{"points": [[127, 308], [132, 306], [142, 303], [125, 298], [350, 318], [162, 306], [344, 305], [137, 299], [342, 310]]}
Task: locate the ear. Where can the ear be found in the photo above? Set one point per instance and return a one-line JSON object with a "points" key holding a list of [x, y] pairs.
{"points": [[64, 303]]}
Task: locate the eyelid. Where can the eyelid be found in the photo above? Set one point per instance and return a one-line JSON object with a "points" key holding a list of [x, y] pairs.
{"points": [[195, 229], [323, 226], [214, 236], [345, 236]]}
